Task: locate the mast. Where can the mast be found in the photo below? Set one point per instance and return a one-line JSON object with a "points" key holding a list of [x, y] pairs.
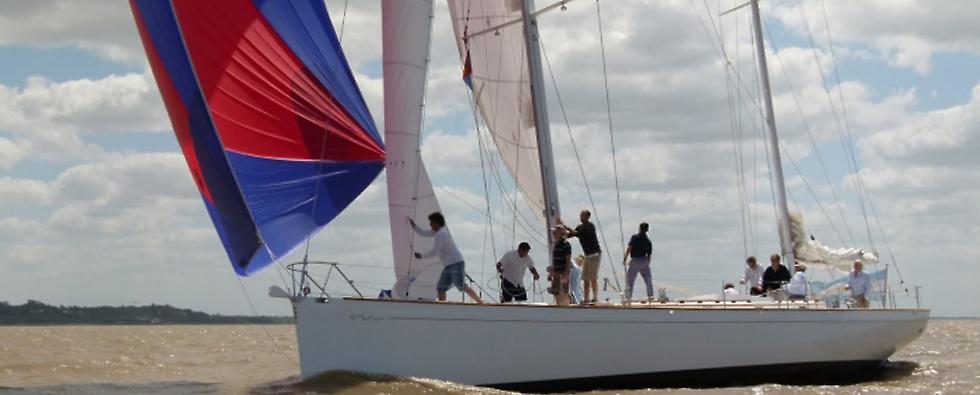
{"points": [[541, 126], [777, 164]]}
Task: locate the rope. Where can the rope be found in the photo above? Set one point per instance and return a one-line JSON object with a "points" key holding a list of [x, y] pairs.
{"points": [[275, 345], [323, 148]]}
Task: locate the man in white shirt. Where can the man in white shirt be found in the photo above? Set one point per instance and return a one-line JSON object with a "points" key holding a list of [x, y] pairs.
{"points": [[449, 255], [753, 276], [512, 267], [797, 286], [860, 285]]}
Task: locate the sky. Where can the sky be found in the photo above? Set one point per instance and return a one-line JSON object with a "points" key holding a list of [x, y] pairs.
{"points": [[97, 206]]}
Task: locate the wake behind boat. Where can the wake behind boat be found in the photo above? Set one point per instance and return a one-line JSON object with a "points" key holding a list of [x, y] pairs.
{"points": [[280, 141]]}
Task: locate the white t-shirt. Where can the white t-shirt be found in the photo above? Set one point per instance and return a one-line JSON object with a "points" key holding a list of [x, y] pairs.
{"points": [[753, 277], [443, 247], [515, 267], [860, 284], [797, 285]]}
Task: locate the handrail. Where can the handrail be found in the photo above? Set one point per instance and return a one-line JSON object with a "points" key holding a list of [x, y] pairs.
{"points": [[300, 287]]}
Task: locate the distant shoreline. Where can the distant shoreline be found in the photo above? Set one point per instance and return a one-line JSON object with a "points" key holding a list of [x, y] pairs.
{"points": [[35, 313]]}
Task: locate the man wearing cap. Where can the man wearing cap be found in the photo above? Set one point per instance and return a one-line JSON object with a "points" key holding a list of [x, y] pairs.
{"points": [[512, 267], [797, 285], [753, 276], [860, 285]]}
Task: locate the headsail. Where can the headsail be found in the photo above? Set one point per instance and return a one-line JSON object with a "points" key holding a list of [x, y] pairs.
{"points": [[492, 50], [407, 27], [265, 107]]}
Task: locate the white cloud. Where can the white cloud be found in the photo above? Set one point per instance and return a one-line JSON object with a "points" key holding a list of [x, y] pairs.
{"points": [[132, 226], [903, 33], [104, 27], [49, 118]]}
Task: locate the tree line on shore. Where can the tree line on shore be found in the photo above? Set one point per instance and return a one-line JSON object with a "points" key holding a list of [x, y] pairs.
{"points": [[37, 313]]}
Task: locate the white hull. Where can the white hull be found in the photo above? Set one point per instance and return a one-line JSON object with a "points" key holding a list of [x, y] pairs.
{"points": [[506, 345]]}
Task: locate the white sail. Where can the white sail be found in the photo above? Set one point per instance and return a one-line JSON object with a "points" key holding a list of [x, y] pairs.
{"points": [[813, 252], [407, 27], [491, 47]]}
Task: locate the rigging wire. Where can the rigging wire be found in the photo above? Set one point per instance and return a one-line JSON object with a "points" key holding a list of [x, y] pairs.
{"points": [[735, 120], [578, 159], [612, 139], [323, 149], [849, 152], [833, 110]]}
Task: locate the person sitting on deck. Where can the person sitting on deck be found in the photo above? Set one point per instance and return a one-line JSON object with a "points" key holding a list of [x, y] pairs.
{"points": [[753, 276], [639, 251], [775, 276], [797, 285], [859, 284], [511, 268], [453, 266], [561, 265], [730, 291]]}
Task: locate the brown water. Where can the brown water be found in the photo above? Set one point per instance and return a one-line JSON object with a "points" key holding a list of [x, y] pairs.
{"points": [[262, 359]]}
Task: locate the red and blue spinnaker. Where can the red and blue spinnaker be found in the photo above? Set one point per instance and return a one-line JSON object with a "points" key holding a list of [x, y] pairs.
{"points": [[274, 129]]}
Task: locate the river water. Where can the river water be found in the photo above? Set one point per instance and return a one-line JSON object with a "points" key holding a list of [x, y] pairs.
{"points": [[262, 359]]}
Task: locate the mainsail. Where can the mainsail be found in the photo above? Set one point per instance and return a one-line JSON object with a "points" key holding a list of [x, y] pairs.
{"points": [[270, 120], [812, 252], [492, 50], [406, 29]]}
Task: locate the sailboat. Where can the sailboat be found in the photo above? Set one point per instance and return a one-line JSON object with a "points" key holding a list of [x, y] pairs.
{"points": [[279, 140]]}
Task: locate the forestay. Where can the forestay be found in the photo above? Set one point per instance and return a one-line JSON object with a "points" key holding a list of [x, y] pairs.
{"points": [[405, 33], [268, 115], [491, 47]]}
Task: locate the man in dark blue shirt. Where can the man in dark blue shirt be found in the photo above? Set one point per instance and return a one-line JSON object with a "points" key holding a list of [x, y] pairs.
{"points": [[775, 276], [639, 251]]}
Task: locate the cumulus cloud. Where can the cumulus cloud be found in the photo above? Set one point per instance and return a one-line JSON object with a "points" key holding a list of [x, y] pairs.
{"points": [[134, 223], [905, 33], [50, 118], [104, 27]]}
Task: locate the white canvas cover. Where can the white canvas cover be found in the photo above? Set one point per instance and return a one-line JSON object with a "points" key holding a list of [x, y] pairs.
{"points": [[405, 34], [812, 252], [500, 81]]}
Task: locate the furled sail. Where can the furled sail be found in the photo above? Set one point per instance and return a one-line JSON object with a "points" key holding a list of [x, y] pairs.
{"points": [[270, 120], [812, 252], [405, 33], [491, 47]]}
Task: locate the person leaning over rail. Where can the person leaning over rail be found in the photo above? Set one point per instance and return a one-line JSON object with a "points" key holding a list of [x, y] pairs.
{"points": [[859, 284], [512, 267], [775, 276], [453, 266], [753, 276], [639, 250]]}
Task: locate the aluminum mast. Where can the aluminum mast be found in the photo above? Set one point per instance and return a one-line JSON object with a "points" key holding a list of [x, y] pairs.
{"points": [[785, 241], [545, 155]]}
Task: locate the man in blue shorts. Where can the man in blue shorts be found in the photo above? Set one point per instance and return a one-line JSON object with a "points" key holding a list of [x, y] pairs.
{"points": [[452, 260]]}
